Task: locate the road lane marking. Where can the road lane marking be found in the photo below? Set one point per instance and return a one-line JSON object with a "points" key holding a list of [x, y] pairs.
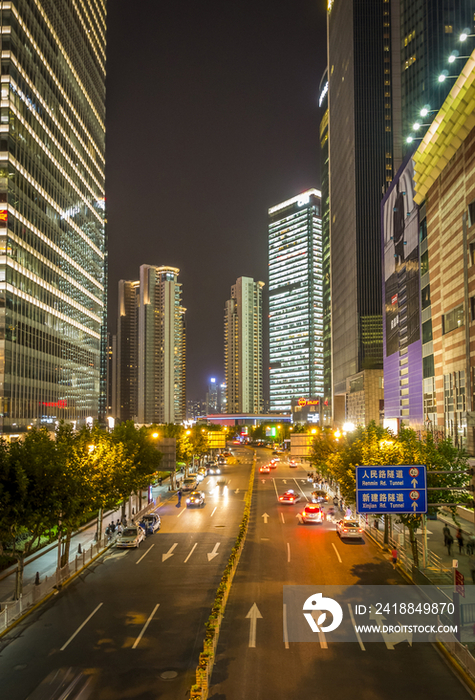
{"points": [[145, 626], [189, 555], [253, 615], [358, 636], [80, 627], [288, 551], [144, 555], [214, 553], [214, 511], [337, 553], [169, 554], [275, 486], [286, 631], [283, 519], [181, 512], [301, 490], [265, 516]]}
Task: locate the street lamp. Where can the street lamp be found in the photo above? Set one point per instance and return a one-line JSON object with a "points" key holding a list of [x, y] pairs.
{"points": [[444, 76]]}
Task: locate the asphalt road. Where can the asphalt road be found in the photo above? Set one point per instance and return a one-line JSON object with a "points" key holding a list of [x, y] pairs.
{"points": [[278, 552], [137, 614]]}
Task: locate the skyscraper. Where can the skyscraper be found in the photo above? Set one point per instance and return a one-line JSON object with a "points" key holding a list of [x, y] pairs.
{"points": [[152, 348], [52, 269], [243, 347], [295, 300]]}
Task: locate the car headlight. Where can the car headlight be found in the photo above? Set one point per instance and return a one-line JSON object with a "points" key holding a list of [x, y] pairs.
{"points": [[218, 471], [188, 500]]}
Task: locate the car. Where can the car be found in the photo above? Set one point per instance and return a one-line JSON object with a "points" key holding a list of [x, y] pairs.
{"points": [[289, 497], [273, 463], [213, 470], [319, 496], [150, 523], [275, 452], [201, 473], [292, 463], [189, 484], [312, 514], [265, 469], [349, 528], [227, 454], [131, 536], [196, 498]]}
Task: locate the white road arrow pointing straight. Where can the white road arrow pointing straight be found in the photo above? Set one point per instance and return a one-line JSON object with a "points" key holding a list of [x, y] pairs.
{"points": [[265, 516], [253, 615], [170, 552], [236, 491], [214, 553]]}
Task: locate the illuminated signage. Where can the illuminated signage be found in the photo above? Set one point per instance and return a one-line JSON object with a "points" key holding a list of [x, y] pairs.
{"points": [[3, 215], [56, 404], [330, 5], [309, 402], [394, 299]]}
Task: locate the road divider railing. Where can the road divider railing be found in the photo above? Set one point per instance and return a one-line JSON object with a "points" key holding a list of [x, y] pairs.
{"points": [[199, 691], [34, 593]]}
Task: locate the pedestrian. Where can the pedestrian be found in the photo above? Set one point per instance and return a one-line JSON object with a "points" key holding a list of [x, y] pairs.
{"points": [[471, 544], [119, 529], [124, 521], [449, 542], [160, 481], [335, 501], [459, 536], [178, 493], [446, 532], [348, 512], [394, 556], [376, 524], [112, 527], [471, 563]]}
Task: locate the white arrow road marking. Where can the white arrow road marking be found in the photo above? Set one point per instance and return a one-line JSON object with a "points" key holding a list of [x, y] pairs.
{"points": [[265, 516], [80, 627], [214, 553], [301, 489], [299, 517], [145, 626], [189, 555], [144, 555], [284, 480], [337, 553], [263, 481], [169, 554], [236, 491], [391, 638], [214, 511], [353, 621], [181, 512], [288, 552], [286, 631], [253, 615], [283, 519]]}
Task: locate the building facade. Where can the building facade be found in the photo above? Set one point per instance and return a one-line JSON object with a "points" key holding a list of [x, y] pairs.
{"points": [[243, 347], [52, 213], [151, 342], [295, 300]]}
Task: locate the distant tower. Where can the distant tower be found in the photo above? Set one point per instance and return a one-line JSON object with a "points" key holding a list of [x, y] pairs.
{"points": [[243, 347], [295, 300]]}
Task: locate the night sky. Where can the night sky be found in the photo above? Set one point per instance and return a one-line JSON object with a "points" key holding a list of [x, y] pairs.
{"points": [[212, 118]]}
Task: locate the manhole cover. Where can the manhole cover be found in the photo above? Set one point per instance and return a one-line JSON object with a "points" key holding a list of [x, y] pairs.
{"points": [[168, 675], [20, 667]]}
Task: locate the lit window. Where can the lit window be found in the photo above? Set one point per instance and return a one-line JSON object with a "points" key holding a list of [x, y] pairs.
{"points": [[448, 29]]}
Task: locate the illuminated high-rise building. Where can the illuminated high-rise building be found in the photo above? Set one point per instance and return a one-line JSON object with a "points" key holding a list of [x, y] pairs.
{"points": [[151, 345], [295, 300], [243, 347], [52, 228]]}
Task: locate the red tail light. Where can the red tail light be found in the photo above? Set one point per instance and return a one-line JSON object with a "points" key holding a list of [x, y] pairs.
{"points": [[281, 498], [360, 530], [345, 530]]}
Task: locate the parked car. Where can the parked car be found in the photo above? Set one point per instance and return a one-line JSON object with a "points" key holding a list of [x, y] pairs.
{"points": [[132, 536], [196, 498], [319, 496], [151, 523]]}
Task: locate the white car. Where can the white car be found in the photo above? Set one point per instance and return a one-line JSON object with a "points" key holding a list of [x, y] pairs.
{"points": [[132, 536], [312, 514], [152, 523], [189, 484], [349, 528]]}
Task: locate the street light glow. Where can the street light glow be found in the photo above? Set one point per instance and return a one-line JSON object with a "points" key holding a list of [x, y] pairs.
{"points": [[348, 427], [463, 36], [441, 78], [416, 126], [451, 58], [409, 139], [424, 112]]}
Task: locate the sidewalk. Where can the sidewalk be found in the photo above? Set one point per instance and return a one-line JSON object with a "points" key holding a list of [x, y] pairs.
{"points": [[44, 562]]}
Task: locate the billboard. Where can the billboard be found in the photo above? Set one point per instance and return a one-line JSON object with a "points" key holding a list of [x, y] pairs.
{"points": [[403, 396]]}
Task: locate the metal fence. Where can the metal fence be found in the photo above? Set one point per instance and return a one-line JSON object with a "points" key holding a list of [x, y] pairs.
{"points": [[462, 654]]}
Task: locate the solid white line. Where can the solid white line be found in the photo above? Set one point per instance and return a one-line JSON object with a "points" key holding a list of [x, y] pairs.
{"points": [[181, 512], [276, 492], [288, 552], [337, 553], [282, 516], [80, 627], [189, 555], [301, 489], [286, 631], [144, 555], [145, 626], [214, 511], [358, 636]]}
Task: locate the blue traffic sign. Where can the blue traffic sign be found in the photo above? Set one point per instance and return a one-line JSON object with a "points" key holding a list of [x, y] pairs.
{"points": [[391, 489]]}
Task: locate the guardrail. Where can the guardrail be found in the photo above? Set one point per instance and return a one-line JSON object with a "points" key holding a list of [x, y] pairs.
{"points": [[200, 690], [35, 593]]}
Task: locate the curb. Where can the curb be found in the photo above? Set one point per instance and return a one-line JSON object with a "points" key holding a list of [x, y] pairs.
{"points": [[456, 666]]}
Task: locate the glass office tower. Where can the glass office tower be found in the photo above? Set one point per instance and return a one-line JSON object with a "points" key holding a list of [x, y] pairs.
{"points": [[52, 237], [295, 300]]}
